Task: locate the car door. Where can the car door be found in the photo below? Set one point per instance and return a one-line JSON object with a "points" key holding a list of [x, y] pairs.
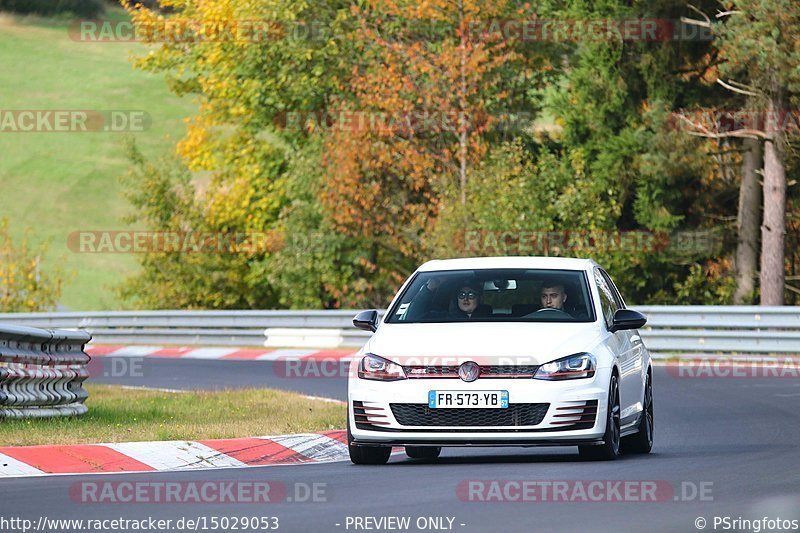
{"points": [[627, 347]]}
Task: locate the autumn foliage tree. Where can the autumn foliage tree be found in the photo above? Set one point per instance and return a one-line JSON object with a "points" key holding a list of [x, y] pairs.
{"points": [[410, 94], [366, 137], [430, 88], [248, 64]]}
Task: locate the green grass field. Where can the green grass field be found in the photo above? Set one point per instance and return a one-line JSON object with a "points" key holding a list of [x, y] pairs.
{"points": [[119, 414], [56, 183]]}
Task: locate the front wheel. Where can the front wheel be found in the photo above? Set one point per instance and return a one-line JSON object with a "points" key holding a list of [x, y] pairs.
{"points": [[366, 455], [642, 440], [610, 448], [369, 455]]}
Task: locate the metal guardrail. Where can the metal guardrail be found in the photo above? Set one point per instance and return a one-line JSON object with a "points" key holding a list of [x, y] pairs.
{"points": [[678, 329], [722, 329], [209, 328], [42, 372]]}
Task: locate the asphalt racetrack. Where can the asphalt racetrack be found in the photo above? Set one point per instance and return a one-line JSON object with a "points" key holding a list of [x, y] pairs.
{"points": [[724, 447], [325, 378]]}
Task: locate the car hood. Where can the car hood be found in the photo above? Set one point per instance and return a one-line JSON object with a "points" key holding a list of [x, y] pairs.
{"points": [[482, 342]]}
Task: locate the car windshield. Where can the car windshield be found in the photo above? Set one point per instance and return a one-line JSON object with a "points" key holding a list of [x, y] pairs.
{"points": [[495, 295]]}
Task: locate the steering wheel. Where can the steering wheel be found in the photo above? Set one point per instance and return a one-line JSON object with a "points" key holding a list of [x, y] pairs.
{"points": [[553, 310]]}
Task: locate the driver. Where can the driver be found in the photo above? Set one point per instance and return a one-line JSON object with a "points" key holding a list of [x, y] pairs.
{"points": [[553, 295]]}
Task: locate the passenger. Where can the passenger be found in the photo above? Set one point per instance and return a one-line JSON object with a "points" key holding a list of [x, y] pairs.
{"points": [[465, 303], [468, 299]]}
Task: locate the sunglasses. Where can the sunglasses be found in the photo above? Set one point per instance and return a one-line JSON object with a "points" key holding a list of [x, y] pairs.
{"points": [[463, 295]]}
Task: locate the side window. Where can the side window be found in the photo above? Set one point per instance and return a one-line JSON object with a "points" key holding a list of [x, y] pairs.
{"points": [[614, 290], [607, 300]]}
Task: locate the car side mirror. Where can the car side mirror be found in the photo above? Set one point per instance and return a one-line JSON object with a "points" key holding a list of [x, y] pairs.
{"points": [[627, 319], [366, 320]]}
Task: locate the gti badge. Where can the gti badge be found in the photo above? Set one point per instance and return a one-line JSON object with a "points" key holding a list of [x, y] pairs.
{"points": [[469, 371]]}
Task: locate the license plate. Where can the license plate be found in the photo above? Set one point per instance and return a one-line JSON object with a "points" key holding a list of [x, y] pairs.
{"points": [[481, 399]]}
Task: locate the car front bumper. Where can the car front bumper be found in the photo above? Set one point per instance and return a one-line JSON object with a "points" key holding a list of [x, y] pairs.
{"points": [[576, 411]]}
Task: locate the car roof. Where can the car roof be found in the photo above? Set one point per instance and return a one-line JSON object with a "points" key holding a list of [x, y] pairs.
{"points": [[466, 263]]}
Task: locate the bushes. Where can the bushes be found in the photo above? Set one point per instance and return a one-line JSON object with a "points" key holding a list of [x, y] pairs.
{"points": [[48, 8], [24, 285]]}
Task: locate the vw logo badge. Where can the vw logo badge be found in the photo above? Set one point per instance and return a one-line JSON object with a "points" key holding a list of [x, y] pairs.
{"points": [[469, 371]]}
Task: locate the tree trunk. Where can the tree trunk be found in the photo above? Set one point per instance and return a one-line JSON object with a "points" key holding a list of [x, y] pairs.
{"points": [[462, 104], [747, 223], [774, 227]]}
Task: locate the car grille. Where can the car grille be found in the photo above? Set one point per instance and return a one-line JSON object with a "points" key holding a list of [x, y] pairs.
{"points": [[487, 371], [419, 414]]}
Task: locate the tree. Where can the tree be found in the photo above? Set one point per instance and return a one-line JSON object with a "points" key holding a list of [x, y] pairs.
{"points": [[202, 265], [401, 128], [442, 79], [748, 218], [250, 64], [611, 167], [428, 93], [759, 42], [24, 285]]}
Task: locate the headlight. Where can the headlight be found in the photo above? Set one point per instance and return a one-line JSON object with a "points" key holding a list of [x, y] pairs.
{"points": [[579, 365], [380, 369]]}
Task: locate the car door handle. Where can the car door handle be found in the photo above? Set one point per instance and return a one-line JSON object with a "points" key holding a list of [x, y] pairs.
{"points": [[636, 339]]}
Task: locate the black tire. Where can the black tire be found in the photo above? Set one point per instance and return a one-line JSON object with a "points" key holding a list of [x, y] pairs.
{"points": [[610, 448], [428, 453], [367, 455], [642, 440]]}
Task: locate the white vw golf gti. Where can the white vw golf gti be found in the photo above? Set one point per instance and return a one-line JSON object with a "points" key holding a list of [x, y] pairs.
{"points": [[502, 351]]}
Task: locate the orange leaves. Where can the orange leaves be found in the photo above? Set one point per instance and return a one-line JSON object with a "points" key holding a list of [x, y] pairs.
{"points": [[396, 101], [424, 91]]}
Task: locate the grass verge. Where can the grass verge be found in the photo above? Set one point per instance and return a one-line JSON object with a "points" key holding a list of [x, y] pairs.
{"points": [[118, 414], [57, 183]]}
